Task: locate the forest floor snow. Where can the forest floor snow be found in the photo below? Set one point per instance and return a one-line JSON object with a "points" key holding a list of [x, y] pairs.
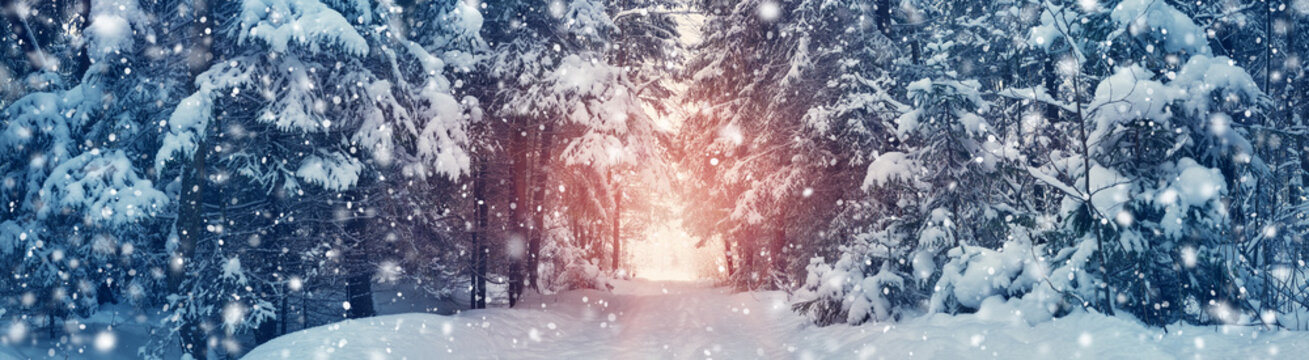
{"points": [[686, 320]]}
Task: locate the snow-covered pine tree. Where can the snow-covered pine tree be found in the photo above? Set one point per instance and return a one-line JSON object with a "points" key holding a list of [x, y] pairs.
{"points": [[309, 108], [646, 46], [1288, 63], [602, 124], [879, 234], [420, 206], [1259, 37], [1078, 38], [737, 138], [76, 187], [953, 155], [552, 94], [953, 186], [785, 105], [1160, 157], [848, 57]]}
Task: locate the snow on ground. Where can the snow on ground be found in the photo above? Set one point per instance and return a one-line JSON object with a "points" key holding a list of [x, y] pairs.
{"points": [[644, 319], [114, 332]]}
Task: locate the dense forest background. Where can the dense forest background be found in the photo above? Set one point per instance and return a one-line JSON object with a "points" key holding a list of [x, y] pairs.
{"points": [[244, 169]]}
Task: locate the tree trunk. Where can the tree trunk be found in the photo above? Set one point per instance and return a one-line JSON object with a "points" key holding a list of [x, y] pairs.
{"points": [[749, 253], [190, 218], [84, 56], [1051, 82], [1108, 307], [200, 54], [579, 236], [538, 206], [266, 331], [916, 51], [359, 291], [359, 283], [727, 256], [617, 216], [1265, 302], [518, 213], [884, 17], [283, 311], [480, 250], [778, 245], [1268, 49]]}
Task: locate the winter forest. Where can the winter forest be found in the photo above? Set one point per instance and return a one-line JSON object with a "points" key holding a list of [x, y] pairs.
{"points": [[418, 179]]}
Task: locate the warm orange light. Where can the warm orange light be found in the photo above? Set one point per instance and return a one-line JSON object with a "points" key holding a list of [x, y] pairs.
{"points": [[668, 253]]}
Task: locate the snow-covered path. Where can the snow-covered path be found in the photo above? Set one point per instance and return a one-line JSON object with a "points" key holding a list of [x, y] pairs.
{"points": [[682, 320], [657, 320], [639, 319]]}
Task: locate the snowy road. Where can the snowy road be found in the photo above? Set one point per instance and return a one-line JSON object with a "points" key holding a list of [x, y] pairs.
{"points": [[658, 320], [639, 319]]}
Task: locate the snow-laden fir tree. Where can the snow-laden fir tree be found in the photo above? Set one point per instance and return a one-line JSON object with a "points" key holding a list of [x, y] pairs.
{"points": [[1154, 141], [744, 142], [308, 107], [77, 192], [1143, 163], [555, 101]]}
